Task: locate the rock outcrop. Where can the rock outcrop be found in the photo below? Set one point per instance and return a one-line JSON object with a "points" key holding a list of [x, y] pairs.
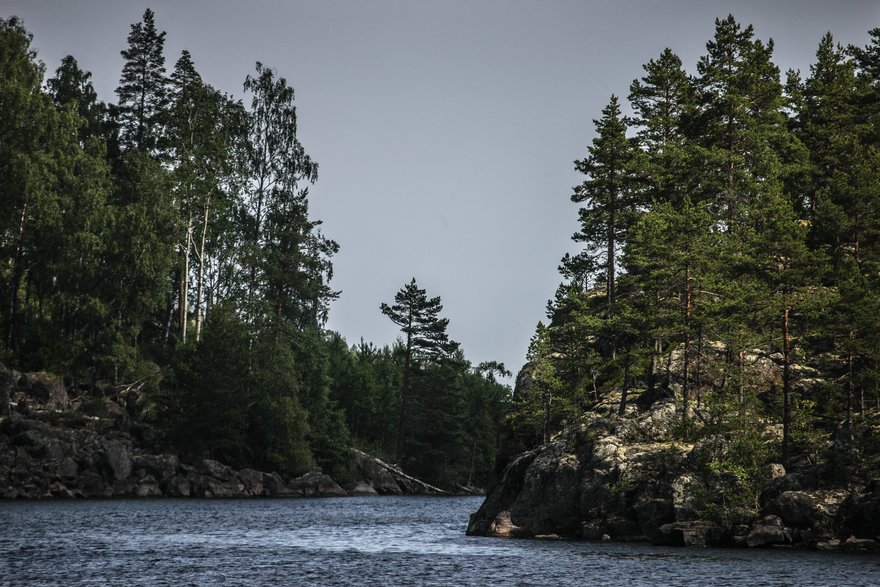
{"points": [[52, 447], [620, 478], [373, 476]]}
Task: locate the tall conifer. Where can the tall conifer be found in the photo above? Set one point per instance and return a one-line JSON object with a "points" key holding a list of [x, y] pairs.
{"points": [[418, 317], [608, 194], [143, 87]]}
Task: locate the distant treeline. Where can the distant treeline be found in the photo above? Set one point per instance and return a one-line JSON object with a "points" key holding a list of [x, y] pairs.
{"points": [[730, 260], [164, 244]]}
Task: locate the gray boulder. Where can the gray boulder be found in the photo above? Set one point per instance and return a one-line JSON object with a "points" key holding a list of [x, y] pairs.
{"points": [[252, 481], [163, 467], [701, 533], [118, 454], [768, 531], [860, 514], [216, 470], [807, 509], [316, 484]]}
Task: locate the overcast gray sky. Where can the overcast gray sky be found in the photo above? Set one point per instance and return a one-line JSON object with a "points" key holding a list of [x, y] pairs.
{"points": [[445, 131]]}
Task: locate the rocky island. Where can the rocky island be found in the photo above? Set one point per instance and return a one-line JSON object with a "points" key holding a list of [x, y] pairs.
{"points": [[624, 478]]}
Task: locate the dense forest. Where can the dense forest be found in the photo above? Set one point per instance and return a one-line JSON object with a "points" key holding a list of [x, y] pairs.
{"points": [[160, 250], [729, 231]]}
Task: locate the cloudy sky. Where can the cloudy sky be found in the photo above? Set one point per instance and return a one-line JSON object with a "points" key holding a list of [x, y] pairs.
{"points": [[445, 130]]}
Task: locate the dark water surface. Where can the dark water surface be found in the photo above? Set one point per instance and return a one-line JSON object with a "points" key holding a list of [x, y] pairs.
{"points": [[355, 541]]}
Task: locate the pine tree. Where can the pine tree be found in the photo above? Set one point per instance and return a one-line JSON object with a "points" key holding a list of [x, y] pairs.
{"points": [[739, 121], [143, 91], [426, 342], [662, 102], [670, 255], [786, 269], [546, 386], [608, 194]]}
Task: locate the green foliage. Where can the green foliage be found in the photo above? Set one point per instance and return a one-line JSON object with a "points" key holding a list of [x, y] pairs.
{"points": [[143, 91], [736, 467], [733, 229], [730, 245], [426, 343], [609, 197], [236, 399]]}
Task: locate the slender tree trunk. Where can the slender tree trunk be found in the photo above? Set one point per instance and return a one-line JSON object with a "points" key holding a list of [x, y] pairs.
{"points": [[655, 356], [546, 401], [849, 382], [404, 393], [685, 389], [258, 227], [741, 361], [609, 287], [624, 392], [17, 271], [200, 285], [786, 383], [594, 374], [698, 379], [183, 303]]}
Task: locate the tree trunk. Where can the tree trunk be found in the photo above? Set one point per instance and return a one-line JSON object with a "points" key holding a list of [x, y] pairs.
{"points": [[621, 410], [183, 303], [401, 417], [17, 272], [200, 286], [609, 287], [546, 400], [698, 379], [849, 383], [685, 389], [786, 384]]}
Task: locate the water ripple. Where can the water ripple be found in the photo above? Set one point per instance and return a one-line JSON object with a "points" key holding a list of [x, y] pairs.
{"points": [[356, 541]]}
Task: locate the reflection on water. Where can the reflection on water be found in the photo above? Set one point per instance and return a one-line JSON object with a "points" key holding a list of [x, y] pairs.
{"points": [[355, 541]]}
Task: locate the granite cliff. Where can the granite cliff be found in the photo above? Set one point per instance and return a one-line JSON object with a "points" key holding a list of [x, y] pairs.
{"points": [[626, 477]]}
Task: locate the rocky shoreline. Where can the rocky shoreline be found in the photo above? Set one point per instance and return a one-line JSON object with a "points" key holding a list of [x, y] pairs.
{"points": [[54, 447], [620, 478]]}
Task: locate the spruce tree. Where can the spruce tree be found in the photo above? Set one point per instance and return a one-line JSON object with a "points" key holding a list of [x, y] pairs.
{"points": [[72, 87], [826, 121], [418, 317]]}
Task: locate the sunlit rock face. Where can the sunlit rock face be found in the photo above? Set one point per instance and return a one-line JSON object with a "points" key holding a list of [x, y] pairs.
{"points": [[622, 478]]}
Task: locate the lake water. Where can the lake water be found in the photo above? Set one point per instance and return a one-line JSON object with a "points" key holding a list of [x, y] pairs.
{"points": [[355, 541]]}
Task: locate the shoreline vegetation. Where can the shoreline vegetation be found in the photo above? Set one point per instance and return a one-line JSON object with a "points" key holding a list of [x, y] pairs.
{"points": [[55, 448], [709, 373], [159, 253]]}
